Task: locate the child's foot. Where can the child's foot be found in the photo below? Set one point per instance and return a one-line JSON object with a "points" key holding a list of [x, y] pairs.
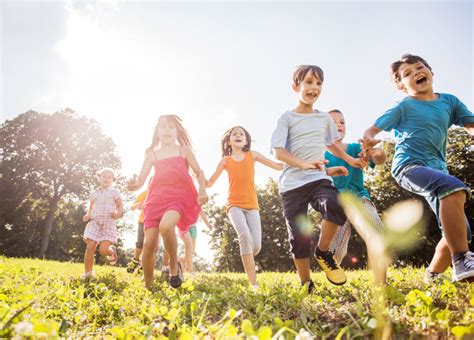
{"points": [[87, 275], [177, 281], [132, 265], [310, 284], [434, 277], [328, 264], [463, 266], [112, 258]]}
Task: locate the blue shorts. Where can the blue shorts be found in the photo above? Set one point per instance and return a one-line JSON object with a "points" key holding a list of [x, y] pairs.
{"points": [[433, 185]]}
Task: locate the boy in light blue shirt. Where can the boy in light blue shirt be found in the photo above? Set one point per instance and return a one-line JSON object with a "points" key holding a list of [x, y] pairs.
{"points": [[421, 121]]}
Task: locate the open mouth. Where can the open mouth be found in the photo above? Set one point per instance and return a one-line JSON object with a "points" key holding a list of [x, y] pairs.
{"points": [[421, 80]]}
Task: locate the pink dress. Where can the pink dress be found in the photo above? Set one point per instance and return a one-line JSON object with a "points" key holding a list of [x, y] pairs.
{"points": [[171, 188]]}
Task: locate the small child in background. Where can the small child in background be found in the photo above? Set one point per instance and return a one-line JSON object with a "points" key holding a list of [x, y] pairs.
{"points": [[104, 208], [353, 182], [242, 204], [135, 261]]}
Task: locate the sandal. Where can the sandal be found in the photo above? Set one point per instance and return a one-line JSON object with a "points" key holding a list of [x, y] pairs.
{"points": [[113, 258]]}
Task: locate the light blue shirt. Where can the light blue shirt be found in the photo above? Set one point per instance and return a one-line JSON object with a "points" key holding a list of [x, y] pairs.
{"points": [[354, 182], [305, 135], [421, 129]]}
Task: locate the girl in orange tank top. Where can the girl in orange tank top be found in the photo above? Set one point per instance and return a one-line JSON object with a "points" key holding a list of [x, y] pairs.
{"points": [[242, 204]]}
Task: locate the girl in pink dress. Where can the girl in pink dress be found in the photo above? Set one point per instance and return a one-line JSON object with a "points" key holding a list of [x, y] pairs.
{"points": [[172, 197]]}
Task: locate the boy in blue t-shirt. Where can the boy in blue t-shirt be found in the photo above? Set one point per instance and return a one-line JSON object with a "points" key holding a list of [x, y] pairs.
{"points": [[353, 182], [421, 121]]}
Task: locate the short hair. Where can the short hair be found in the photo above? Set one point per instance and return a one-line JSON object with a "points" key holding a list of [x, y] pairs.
{"points": [[335, 110], [112, 171], [406, 59], [302, 70]]}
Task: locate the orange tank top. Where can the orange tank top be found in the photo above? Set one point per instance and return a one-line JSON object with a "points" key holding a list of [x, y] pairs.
{"points": [[241, 182]]}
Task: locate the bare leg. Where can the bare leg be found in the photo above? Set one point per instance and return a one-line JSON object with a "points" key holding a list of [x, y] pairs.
{"points": [[302, 267], [249, 266], [167, 230], [188, 252], [328, 231], [441, 258], [89, 255], [453, 221], [149, 254]]}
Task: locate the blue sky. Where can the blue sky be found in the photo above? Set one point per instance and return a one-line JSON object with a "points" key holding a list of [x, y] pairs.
{"points": [[221, 64]]}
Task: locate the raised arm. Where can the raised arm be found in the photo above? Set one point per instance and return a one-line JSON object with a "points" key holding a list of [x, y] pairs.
{"points": [[216, 174], [135, 182], [198, 173], [287, 157], [265, 161], [354, 162]]}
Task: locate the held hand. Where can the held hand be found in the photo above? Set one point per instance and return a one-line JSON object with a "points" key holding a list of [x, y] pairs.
{"points": [[358, 163], [132, 183], [202, 197], [336, 171], [368, 143], [86, 218]]}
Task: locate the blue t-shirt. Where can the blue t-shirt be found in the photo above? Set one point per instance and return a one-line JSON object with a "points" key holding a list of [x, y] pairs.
{"points": [[421, 129], [354, 182]]}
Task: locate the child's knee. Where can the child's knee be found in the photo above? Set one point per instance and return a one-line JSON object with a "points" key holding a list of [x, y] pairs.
{"points": [[457, 196], [91, 246], [104, 249], [256, 249]]}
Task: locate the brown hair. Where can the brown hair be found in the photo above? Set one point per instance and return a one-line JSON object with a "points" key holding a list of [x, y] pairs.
{"points": [[182, 135], [406, 59], [225, 146], [335, 110], [302, 70]]}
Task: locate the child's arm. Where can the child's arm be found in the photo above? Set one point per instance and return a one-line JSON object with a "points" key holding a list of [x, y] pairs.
{"points": [[287, 157], [119, 206], [469, 127], [265, 161], [205, 220], [138, 206], [135, 182], [216, 174], [87, 216], [354, 162], [198, 173]]}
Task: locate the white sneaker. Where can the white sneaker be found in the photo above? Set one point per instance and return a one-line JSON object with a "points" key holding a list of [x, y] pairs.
{"points": [[463, 266], [87, 275]]}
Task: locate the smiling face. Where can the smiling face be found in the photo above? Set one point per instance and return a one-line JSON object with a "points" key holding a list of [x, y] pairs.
{"points": [[338, 118], [237, 138], [309, 88], [167, 131], [415, 79], [106, 178]]}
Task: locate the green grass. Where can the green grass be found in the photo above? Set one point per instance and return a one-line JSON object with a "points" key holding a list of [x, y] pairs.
{"points": [[47, 298]]}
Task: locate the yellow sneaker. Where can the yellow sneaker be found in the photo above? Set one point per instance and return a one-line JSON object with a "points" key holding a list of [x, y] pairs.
{"points": [[333, 272]]}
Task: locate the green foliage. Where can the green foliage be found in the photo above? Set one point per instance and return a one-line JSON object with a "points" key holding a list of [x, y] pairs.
{"points": [[47, 299]]}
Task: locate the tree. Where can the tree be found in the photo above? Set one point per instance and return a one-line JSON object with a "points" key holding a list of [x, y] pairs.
{"points": [[45, 158]]}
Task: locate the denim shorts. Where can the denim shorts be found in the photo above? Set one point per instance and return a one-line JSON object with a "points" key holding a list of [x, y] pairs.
{"points": [[433, 185]]}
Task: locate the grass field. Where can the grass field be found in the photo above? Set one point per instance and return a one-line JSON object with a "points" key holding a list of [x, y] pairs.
{"points": [[47, 298]]}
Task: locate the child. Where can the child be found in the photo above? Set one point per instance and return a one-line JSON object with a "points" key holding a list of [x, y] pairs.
{"points": [[135, 262], [104, 208], [353, 182], [299, 140], [421, 121], [242, 205], [172, 197]]}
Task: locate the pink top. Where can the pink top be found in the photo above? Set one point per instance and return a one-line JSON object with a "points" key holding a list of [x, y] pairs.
{"points": [[172, 188]]}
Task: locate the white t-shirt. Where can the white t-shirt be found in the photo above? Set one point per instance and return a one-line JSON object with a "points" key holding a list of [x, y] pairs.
{"points": [[305, 135]]}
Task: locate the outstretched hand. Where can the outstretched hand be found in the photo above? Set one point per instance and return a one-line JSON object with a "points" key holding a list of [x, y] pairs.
{"points": [[367, 144], [314, 165], [336, 171], [132, 183]]}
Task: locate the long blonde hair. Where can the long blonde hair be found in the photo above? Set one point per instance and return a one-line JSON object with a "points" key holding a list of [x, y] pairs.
{"points": [[182, 134]]}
